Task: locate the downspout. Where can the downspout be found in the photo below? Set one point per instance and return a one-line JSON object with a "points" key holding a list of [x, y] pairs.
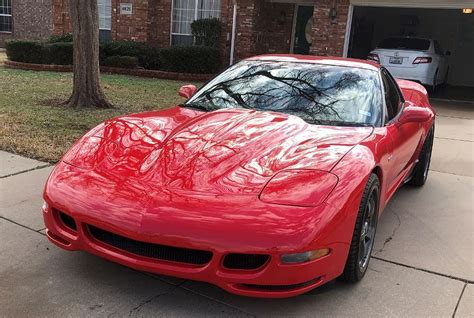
{"points": [[232, 39]]}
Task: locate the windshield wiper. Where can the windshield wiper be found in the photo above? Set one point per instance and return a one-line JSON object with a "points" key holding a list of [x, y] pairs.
{"points": [[340, 123], [199, 106]]}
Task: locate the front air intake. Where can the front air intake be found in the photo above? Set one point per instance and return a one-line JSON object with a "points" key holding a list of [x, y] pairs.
{"points": [[151, 250], [68, 221]]}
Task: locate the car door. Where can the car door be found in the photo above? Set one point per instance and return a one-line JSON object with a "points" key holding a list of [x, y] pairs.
{"points": [[405, 137]]}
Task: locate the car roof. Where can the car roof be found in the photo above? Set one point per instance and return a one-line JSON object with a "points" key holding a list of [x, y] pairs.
{"points": [[326, 60], [408, 37]]}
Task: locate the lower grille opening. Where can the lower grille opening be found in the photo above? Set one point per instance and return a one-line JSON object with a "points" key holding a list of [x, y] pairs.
{"points": [[157, 251], [280, 287], [245, 261], [68, 221]]}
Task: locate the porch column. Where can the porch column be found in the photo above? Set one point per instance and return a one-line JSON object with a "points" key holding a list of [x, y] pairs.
{"points": [[246, 30], [329, 30]]}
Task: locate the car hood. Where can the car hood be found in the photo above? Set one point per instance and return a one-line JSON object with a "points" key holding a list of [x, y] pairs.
{"points": [[225, 151]]}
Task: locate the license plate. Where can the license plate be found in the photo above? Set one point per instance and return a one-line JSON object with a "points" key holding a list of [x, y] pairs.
{"points": [[396, 60]]}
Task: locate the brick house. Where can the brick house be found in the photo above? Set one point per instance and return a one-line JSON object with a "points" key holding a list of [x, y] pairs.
{"points": [[319, 27], [262, 26], [25, 19]]}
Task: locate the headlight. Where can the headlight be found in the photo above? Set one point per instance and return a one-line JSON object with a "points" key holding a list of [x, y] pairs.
{"points": [[303, 257], [299, 187], [89, 151]]}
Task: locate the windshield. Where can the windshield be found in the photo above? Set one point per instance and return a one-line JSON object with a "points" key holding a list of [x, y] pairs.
{"points": [[405, 44], [319, 94]]}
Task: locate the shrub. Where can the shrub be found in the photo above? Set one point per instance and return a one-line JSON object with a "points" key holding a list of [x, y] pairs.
{"points": [[102, 55], [125, 54], [190, 59], [206, 32], [24, 51], [60, 38], [124, 48], [121, 61], [145, 54], [60, 53], [150, 59]]}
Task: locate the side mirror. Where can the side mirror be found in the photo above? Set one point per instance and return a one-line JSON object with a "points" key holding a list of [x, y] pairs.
{"points": [[187, 91], [414, 114], [448, 53]]}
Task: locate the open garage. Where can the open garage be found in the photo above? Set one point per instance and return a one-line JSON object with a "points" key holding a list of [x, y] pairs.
{"points": [[443, 21]]}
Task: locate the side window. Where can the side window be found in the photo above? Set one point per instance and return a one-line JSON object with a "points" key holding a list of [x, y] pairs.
{"points": [[438, 49], [392, 96]]}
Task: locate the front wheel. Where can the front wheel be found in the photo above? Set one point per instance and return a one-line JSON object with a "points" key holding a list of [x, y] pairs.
{"points": [[364, 233], [422, 167]]}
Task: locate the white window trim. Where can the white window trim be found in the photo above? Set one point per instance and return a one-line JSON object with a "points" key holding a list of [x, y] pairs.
{"points": [[109, 17], [196, 7], [11, 19], [171, 22]]}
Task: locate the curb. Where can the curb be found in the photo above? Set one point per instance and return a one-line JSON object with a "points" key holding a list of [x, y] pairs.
{"points": [[113, 70]]}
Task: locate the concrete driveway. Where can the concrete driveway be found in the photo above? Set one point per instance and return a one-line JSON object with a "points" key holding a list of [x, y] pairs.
{"points": [[423, 262]]}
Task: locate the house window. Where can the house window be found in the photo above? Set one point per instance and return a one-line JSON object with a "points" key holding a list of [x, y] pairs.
{"points": [[5, 16], [185, 12], [105, 19]]}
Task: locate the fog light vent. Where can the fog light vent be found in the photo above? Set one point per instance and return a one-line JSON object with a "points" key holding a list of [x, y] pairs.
{"points": [[245, 261]]}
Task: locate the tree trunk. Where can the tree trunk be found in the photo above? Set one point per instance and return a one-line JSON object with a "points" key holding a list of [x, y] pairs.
{"points": [[85, 30]]}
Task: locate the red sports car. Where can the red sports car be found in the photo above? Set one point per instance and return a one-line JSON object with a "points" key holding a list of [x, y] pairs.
{"points": [[267, 182]]}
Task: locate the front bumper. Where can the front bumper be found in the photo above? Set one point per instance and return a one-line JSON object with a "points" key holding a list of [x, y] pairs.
{"points": [[272, 280], [132, 209]]}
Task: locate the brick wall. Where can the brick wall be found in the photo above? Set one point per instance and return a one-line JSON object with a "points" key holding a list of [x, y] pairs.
{"points": [[328, 33], [265, 27], [150, 21], [275, 25], [262, 26], [61, 18], [247, 32], [159, 15], [32, 19], [130, 27]]}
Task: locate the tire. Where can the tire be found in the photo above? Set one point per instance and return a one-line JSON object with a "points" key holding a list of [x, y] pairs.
{"points": [[366, 222], [435, 82], [420, 172], [445, 80]]}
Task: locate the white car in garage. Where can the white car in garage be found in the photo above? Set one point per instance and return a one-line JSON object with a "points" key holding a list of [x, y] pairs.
{"points": [[412, 58]]}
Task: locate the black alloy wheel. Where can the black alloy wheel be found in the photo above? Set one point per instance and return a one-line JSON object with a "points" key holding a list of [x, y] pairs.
{"points": [[364, 233], [422, 167]]}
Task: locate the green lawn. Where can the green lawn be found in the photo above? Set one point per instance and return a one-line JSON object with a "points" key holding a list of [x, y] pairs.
{"points": [[34, 125]]}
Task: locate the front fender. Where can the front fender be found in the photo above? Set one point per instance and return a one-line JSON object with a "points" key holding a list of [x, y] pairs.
{"points": [[353, 172]]}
